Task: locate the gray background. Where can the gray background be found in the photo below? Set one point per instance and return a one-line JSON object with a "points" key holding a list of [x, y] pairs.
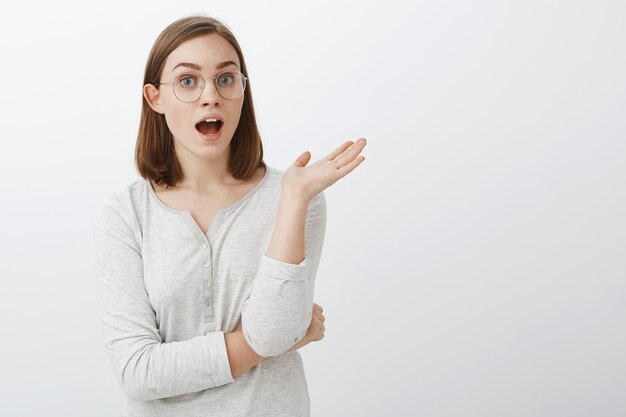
{"points": [[473, 264]]}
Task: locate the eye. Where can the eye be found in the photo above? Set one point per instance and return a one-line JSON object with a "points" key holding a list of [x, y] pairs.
{"points": [[187, 81], [226, 78]]}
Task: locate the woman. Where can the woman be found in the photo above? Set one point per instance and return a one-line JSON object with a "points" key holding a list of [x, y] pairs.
{"points": [[206, 266]]}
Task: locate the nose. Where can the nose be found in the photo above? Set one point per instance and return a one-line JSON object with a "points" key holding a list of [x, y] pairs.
{"points": [[210, 93]]}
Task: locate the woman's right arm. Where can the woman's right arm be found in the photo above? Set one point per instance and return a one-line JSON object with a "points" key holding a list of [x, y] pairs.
{"points": [[146, 367]]}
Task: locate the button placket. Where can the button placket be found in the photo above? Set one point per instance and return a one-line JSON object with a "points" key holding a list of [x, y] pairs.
{"points": [[207, 274]]}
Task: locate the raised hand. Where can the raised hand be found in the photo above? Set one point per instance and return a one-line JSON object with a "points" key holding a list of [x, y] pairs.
{"points": [[307, 181]]}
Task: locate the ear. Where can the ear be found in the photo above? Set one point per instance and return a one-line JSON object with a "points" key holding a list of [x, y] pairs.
{"points": [[153, 97]]}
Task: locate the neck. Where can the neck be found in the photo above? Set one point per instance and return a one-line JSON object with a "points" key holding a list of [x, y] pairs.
{"points": [[205, 175]]}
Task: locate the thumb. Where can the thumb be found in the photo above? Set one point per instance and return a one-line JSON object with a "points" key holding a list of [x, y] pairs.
{"points": [[303, 159]]}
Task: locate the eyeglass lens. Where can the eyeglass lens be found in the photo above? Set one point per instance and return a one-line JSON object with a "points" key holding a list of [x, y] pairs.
{"points": [[230, 85]]}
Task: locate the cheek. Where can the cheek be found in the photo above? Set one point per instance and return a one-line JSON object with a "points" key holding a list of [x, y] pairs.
{"points": [[176, 120], [236, 114]]}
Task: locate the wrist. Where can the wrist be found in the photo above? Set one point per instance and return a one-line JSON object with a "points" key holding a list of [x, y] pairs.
{"points": [[294, 195], [293, 199]]}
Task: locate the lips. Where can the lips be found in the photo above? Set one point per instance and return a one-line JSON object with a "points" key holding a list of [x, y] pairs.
{"points": [[209, 128]]}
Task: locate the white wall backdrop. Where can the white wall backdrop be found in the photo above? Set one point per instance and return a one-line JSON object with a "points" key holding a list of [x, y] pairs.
{"points": [[474, 264]]}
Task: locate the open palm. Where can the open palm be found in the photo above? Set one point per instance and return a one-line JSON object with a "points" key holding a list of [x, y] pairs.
{"points": [[308, 181]]}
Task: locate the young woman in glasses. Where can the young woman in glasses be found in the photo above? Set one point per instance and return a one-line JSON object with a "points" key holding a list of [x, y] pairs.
{"points": [[206, 265]]}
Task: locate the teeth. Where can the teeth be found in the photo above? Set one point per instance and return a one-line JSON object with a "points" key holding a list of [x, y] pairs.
{"points": [[211, 120]]}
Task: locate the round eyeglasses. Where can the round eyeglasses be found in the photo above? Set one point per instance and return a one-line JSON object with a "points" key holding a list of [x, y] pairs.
{"points": [[189, 87]]}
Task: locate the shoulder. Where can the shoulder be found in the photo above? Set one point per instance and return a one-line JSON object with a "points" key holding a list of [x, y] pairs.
{"points": [[128, 195], [122, 205]]}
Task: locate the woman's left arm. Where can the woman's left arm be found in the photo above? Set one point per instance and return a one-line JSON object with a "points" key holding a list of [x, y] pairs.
{"points": [[279, 310]]}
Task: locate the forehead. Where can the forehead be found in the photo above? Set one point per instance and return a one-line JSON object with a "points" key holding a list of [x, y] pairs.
{"points": [[206, 50]]}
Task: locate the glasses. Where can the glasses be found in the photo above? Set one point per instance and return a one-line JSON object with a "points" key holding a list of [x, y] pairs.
{"points": [[189, 87]]}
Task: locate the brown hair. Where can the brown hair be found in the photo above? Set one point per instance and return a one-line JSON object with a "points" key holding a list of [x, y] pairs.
{"points": [[155, 157]]}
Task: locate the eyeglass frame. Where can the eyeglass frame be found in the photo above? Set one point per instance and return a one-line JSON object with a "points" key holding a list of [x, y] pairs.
{"points": [[245, 80]]}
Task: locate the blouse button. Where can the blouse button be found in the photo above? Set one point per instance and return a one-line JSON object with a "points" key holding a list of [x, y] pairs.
{"points": [[206, 245], [206, 263], [208, 284]]}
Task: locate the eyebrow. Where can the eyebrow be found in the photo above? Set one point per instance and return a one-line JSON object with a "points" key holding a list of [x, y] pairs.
{"points": [[199, 68]]}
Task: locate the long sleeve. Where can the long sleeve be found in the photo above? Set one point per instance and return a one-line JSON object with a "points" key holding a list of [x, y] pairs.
{"points": [[146, 368], [278, 312]]}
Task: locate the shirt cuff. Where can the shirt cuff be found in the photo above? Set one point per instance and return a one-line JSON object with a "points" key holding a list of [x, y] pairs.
{"points": [[273, 268], [219, 358]]}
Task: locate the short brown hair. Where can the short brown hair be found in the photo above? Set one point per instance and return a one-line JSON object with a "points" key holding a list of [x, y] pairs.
{"points": [[155, 157]]}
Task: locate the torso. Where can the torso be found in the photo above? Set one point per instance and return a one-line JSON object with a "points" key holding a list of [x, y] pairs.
{"points": [[203, 207]]}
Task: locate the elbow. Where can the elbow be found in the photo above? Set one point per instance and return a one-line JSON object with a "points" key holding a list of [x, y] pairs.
{"points": [[136, 385], [265, 350], [270, 348], [134, 394], [264, 344], [277, 341], [133, 391], [137, 391]]}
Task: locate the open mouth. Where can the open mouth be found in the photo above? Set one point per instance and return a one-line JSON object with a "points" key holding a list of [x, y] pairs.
{"points": [[209, 128]]}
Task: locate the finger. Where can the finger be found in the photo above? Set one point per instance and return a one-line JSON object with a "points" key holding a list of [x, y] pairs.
{"points": [[323, 327], [349, 154], [346, 169], [322, 318], [303, 159], [317, 307], [344, 150], [339, 150]]}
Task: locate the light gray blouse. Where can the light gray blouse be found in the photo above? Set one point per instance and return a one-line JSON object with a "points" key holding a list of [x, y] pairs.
{"points": [[168, 293]]}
